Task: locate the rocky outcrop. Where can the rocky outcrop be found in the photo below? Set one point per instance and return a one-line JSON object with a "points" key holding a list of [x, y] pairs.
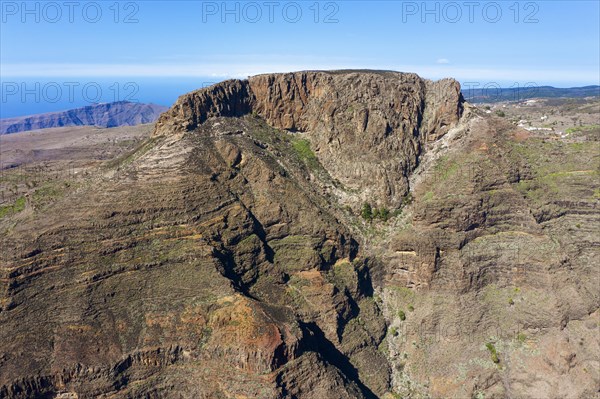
{"points": [[367, 128], [230, 98]]}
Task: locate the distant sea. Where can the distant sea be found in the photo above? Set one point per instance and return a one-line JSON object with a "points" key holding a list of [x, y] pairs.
{"points": [[20, 97]]}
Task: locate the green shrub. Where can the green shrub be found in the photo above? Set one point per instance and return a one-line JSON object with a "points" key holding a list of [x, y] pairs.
{"points": [[367, 212], [500, 113], [402, 315], [490, 347], [384, 214], [411, 308]]}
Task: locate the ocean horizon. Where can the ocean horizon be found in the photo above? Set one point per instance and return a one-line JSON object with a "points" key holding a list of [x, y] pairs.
{"points": [[21, 97]]}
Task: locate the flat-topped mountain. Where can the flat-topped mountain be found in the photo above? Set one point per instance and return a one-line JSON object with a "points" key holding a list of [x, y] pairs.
{"points": [[121, 113], [368, 128]]}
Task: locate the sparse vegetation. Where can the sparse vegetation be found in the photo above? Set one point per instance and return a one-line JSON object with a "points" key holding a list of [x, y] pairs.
{"points": [[16, 207], [303, 150], [375, 213], [367, 212], [134, 154], [384, 214], [585, 128], [493, 353], [402, 315]]}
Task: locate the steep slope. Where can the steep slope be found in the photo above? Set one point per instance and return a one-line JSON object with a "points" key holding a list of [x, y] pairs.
{"points": [[121, 113], [492, 273], [191, 265]]}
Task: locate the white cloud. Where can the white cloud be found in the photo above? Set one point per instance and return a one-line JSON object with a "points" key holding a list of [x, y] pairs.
{"points": [[442, 61]]}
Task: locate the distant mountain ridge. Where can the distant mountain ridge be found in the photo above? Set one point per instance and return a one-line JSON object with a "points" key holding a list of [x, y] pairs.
{"points": [[121, 113], [493, 94]]}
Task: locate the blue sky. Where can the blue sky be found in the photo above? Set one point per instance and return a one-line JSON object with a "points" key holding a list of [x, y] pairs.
{"points": [[512, 43]]}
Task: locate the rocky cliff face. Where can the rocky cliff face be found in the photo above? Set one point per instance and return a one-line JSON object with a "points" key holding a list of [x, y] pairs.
{"points": [[368, 129]]}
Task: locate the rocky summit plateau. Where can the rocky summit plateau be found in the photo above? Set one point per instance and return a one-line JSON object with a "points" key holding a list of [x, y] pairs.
{"points": [[317, 234]]}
